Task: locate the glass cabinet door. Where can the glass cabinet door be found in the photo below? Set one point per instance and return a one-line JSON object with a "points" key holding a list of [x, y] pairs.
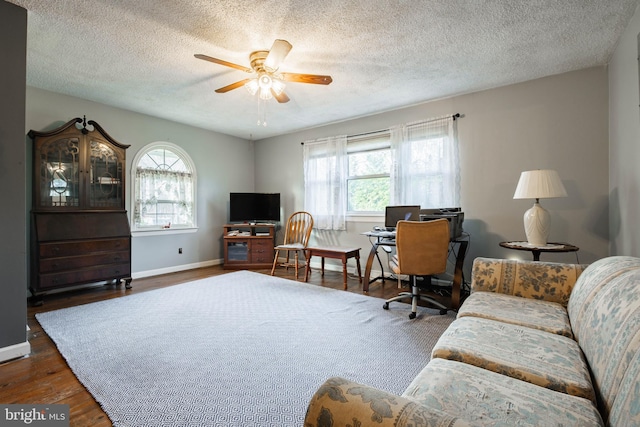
{"points": [[59, 174], [237, 251], [106, 178], [78, 169]]}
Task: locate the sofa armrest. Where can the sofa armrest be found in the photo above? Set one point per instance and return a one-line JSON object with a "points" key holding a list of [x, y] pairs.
{"points": [[548, 281], [340, 402]]}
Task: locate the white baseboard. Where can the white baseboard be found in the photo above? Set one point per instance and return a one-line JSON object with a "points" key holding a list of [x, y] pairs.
{"points": [[15, 351], [314, 264], [176, 268]]}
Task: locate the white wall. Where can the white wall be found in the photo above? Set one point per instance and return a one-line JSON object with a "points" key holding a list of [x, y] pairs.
{"points": [[223, 164], [558, 122], [624, 139]]}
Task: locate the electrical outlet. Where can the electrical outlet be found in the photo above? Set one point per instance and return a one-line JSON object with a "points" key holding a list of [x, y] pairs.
{"points": [[179, 250]]}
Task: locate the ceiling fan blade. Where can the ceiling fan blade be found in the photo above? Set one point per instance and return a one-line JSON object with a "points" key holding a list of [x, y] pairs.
{"points": [[278, 52], [306, 78], [282, 98], [232, 86], [221, 62]]}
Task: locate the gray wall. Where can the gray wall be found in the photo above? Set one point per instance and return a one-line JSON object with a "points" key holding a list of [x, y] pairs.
{"points": [[223, 164], [624, 140], [558, 122], [13, 245]]}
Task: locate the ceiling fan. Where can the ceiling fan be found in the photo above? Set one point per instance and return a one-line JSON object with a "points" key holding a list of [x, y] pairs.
{"points": [[267, 80]]}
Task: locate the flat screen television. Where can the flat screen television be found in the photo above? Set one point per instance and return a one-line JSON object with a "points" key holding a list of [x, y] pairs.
{"points": [[254, 207]]}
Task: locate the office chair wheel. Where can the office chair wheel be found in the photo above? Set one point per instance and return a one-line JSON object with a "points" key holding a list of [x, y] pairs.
{"points": [[443, 312], [385, 306], [412, 315]]}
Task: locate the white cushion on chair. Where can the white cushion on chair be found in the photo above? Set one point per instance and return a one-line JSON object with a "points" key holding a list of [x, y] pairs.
{"points": [[293, 246]]}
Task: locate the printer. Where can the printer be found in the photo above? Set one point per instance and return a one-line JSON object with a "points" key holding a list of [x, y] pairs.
{"points": [[454, 215]]}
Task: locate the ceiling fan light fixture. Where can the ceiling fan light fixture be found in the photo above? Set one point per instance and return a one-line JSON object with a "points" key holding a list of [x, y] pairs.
{"points": [[277, 86], [252, 86], [265, 93], [265, 81]]}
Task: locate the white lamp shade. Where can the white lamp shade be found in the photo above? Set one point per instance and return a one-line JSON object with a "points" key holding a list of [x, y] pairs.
{"points": [[539, 184]]}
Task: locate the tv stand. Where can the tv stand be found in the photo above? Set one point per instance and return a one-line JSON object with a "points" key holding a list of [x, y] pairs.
{"points": [[248, 246]]}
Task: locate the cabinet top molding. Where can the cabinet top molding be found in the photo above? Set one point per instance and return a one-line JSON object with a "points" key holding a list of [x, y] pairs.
{"points": [[96, 127]]}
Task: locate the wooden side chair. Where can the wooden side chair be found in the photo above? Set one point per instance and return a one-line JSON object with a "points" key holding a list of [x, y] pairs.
{"points": [[296, 239], [422, 249]]}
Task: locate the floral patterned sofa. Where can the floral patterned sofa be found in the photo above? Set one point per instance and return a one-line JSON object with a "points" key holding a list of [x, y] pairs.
{"points": [[535, 344]]}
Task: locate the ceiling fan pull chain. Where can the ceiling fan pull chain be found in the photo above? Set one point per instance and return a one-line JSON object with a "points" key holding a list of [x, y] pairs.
{"points": [[262, 112]]}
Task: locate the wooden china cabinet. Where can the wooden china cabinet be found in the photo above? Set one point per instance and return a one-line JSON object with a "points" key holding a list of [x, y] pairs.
{"points": [[79, 227]]}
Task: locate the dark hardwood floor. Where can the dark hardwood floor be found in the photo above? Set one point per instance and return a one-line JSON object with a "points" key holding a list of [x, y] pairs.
{"points": [[44, 377]]}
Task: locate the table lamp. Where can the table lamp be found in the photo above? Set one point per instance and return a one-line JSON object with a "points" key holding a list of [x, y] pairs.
{"points": [[538, 184]]}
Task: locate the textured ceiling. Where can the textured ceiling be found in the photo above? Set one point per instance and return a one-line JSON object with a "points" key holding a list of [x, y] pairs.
{"points": [[382, 55]]}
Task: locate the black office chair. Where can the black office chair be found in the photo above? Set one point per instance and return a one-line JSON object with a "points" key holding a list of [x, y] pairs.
{"points": [[422, 249]]}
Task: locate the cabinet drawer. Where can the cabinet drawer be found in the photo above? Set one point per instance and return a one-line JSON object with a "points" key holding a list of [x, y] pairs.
{"points": [[262, 244], [77, 277], [82, 247], [261, 251], [261, 257], [50, 265]]}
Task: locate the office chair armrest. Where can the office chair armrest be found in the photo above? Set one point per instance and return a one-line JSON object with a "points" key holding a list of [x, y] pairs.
{"points": [[340, 402], [548, 281]]}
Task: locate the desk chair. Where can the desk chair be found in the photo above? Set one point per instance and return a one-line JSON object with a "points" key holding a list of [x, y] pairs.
{"points": [[422, 249], [296, 239]]}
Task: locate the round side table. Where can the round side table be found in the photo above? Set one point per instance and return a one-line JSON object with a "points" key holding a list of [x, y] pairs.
{"points": [[537, 250]]}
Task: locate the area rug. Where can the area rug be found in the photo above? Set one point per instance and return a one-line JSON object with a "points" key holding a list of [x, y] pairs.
{"points": [[240, 349]]}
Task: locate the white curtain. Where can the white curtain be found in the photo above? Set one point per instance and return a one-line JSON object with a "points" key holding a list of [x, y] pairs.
{"points": [[162, 195], [325, 172], [425, 169]]}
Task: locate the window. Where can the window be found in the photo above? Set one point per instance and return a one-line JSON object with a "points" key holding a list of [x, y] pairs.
{"points": [[369, 173], [164, 182], [409, 164]]}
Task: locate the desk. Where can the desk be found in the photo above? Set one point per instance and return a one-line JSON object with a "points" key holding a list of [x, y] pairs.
{"points": [[381, 238], [334, 252], [384, 238], [536, 250]]}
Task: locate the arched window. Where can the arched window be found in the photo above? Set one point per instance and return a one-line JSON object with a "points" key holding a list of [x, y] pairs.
{"points": [[164, 188]]}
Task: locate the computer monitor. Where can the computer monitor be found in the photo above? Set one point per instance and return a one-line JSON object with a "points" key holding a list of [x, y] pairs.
{"points": [[393, 214]]}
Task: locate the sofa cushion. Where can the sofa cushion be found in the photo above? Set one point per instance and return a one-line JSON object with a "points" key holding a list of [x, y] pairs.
{"points": [[547, 316], [606, 309], [541, 358], [486, 398], [537, 280]]}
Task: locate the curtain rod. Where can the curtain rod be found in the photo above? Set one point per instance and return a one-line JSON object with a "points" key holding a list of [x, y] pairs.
{"points": [[454, 117]]}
